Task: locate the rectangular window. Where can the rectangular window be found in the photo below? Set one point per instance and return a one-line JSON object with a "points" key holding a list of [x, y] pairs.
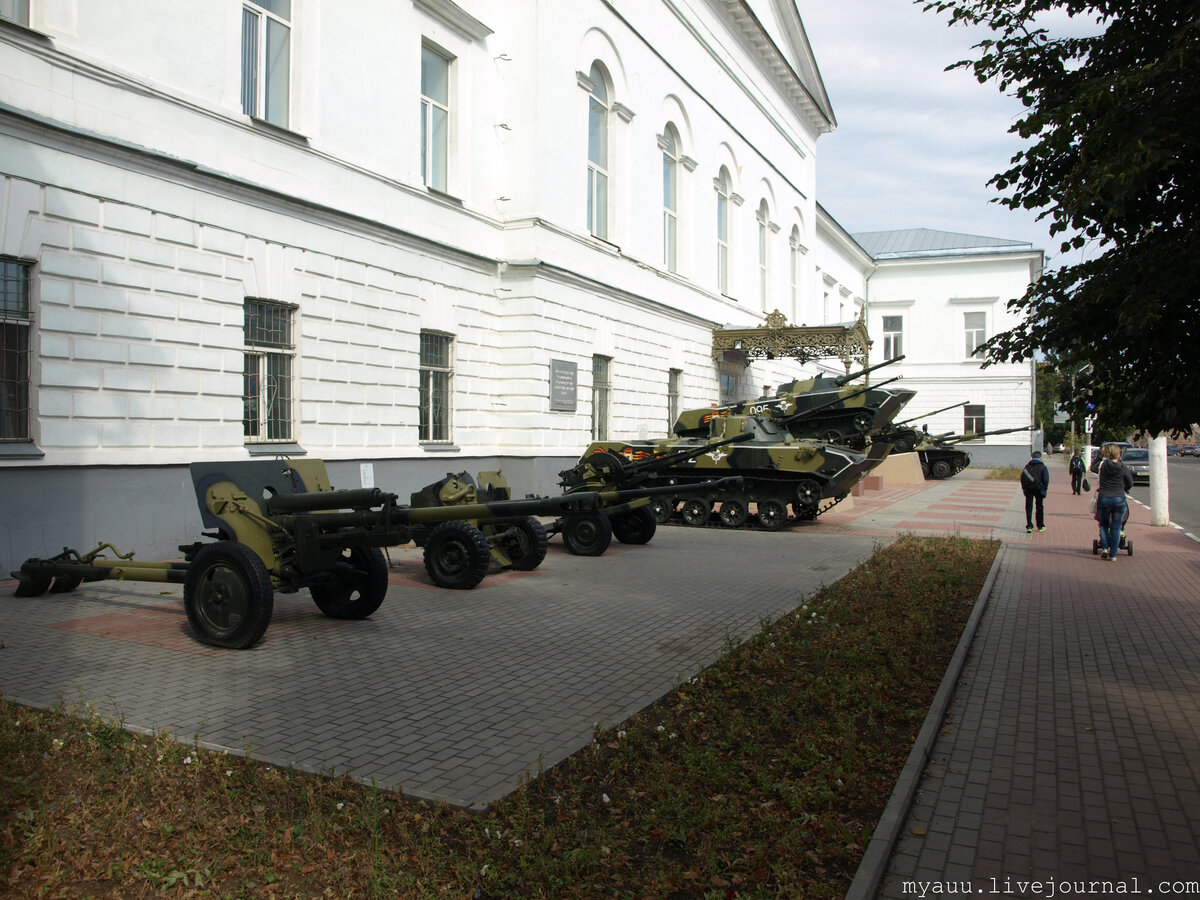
{"points": [[269, 354], [267, 60], [975, 324], [893, 336], [15, 323], [435, 118], [437, 369], [973, 419], [15, 11], [674, 395], [601, 396]]}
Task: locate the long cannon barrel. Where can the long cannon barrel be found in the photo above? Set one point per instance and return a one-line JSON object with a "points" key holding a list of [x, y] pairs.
{"points": [[850, 376], [934, 413], [732, 483], [805, 413], [588, 472], [655, 463], [959, 438]]}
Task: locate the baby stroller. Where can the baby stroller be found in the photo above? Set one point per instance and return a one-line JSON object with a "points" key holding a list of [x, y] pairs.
{"points": [[1125, 544]]}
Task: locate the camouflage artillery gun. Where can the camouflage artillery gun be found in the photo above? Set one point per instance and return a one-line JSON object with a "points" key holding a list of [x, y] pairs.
{"points": [[777, 470], [941, 459], [827, 409], [280, 526]]}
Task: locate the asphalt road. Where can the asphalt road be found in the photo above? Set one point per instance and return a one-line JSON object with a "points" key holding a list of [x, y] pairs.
{"points": [[1183, 492]]}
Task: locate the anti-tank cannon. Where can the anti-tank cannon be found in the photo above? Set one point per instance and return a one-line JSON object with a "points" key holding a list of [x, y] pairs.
{"points": [[278, 525], [940, 457]]}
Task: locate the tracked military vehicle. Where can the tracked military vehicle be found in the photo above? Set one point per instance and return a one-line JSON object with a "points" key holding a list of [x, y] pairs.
{"points": [[941, 459], [903, 437], [778, 471], [828, 409]]}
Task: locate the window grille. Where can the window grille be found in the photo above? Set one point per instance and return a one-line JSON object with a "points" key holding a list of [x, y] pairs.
{"points": [[267, 372], [15, 325], [436, 371]]}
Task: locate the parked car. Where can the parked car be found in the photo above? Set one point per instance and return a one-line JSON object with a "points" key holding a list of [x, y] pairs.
{"points": [[1138, 461], [1189, 450]]}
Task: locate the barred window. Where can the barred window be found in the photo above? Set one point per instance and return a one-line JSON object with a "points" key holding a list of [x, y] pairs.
{"points": [[269, 355], [601, 393], [15, 323], [437, 367]]}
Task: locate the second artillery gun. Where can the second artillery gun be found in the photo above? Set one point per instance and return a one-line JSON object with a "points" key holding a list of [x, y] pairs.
{"points": [[941, 458]]}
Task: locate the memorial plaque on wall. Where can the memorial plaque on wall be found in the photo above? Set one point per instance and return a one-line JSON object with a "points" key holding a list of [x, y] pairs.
{"points": [[564, 383]]}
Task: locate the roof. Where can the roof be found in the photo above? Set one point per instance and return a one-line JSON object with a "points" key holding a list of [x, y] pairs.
{"points": [[914, 242]]}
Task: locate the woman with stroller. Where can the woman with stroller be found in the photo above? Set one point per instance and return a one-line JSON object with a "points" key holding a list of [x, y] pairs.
{"points": [[1111, 506]]}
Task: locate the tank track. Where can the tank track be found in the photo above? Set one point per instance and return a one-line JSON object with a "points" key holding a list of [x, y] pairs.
{"points": [[752, 523]]}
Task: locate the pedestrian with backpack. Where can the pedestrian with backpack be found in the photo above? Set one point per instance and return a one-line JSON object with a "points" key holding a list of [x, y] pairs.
{"points": [[1035, 482], [1077, 470]]}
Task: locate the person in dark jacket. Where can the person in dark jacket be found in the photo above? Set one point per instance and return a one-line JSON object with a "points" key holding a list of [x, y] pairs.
{"points": [[1077, 469], [1111, 507], [1035, 482]]}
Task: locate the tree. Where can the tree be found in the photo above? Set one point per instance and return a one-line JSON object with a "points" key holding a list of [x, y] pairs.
{"points": [[1113, 125]]}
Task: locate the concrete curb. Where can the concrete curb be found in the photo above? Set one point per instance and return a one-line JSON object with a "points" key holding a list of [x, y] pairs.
{"points": [[879, 850]]}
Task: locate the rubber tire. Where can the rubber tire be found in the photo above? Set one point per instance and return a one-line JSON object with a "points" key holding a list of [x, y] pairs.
{"points": [[734, 512], [664, 508], [587, 534], [1128, 547], [1095, 547], [772, 514], [457, 555], [228, 595], [941, 469], [634, 527], [359, 586], [530, 540], [696, 511]]}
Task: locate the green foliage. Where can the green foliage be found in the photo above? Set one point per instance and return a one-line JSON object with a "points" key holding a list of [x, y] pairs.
{"points": [[1112, 161]]}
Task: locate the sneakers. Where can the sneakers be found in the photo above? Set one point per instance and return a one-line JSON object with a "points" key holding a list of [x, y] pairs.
{"points": [[1029, 529], [1104, 554], [1040, 530]]}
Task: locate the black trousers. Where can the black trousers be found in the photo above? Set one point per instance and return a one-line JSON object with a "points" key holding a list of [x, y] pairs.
{"points": [[1076, 482], [1030, 499]]}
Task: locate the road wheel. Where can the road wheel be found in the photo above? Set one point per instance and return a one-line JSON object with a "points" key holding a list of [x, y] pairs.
{"points": [[772, 514], [228, 595], [635, 527], [664, 508], [734, 512], [696, 511], [862, 422], [457, 555], [941, 469], [524, 543], [587, 534], [829, 436], [808, 496], [357, 587]]}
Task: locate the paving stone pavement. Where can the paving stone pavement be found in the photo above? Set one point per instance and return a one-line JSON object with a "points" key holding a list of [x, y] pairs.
{"points": [[1069, 748]]}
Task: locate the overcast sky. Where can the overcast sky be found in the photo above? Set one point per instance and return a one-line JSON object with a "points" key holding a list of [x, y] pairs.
{"points": [[915, 145]]}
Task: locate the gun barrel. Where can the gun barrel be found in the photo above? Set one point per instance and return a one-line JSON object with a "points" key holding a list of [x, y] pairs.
{"points": [[359, 498], [850, 376], [804, 413], [732, 483], [655, 463], [934, 413]]}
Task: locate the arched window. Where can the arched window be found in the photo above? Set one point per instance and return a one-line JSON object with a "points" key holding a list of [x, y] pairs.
{"points": [[723, 191], [598, 111], [764, 230], [670, 173], [796, 249]]}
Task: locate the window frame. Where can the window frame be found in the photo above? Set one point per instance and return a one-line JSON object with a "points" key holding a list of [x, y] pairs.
{"points": [[257, 61], [763, 217], [274, 420], [18, 323], [20, 12], [674, 396], [668, 142], [436, 374], [977, 334], [601, 395], [724, 187], [893, 338], [599, 171], [975, 422], [431, 155]]}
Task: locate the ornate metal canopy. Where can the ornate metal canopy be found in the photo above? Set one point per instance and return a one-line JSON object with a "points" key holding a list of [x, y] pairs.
{"points": [[776, 340]]}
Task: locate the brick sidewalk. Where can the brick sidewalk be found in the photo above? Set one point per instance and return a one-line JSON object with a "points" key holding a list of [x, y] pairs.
{"points": [[1070, 750]]}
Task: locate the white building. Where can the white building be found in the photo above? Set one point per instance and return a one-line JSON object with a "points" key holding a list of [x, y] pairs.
{"points": [[933, 298], [422, 235]]}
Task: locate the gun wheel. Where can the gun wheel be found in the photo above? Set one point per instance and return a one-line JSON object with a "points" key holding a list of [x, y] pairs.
{"points": [[772, 514], [456, 555], [587, 534], [523, 542], [358, 586], [734, 512], [664, 508], [941, 469], [228, 595], [636, 526], [64, 584], [696, 511]]}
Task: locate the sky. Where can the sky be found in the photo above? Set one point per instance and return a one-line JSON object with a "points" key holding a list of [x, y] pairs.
{"points": [[915, 145]]}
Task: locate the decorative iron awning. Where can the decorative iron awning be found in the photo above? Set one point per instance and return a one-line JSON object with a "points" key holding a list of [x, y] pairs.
{"points": [[778, 340]]}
